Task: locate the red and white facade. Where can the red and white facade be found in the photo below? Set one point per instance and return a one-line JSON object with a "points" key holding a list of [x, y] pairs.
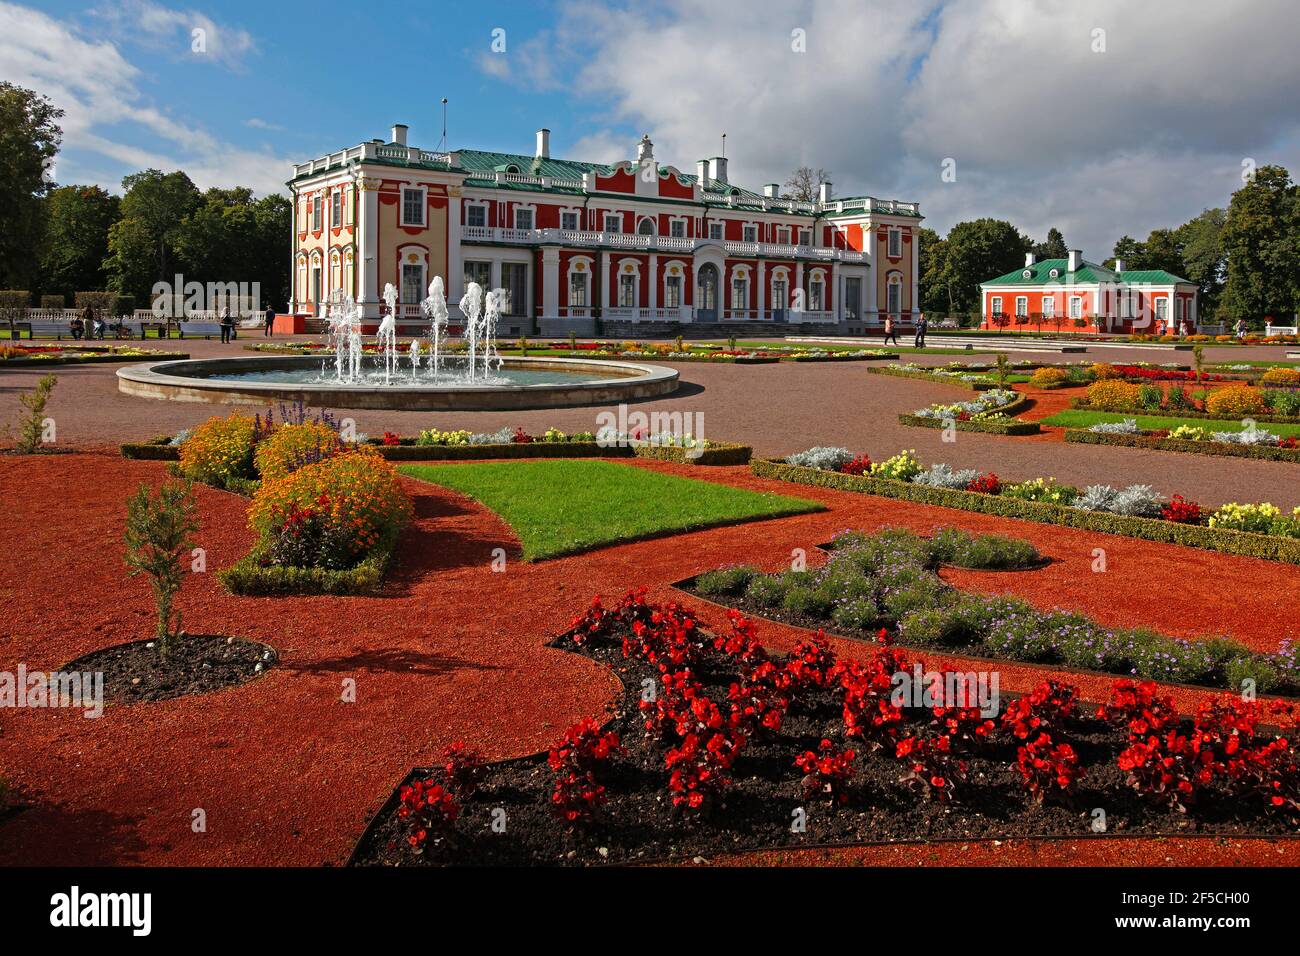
{"points": [[632, 242]]}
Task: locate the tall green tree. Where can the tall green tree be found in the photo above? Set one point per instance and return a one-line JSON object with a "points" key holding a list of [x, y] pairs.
{"points": [[930, 256], [232, 237], [1204, 260], [131, 265], [77, 221], [1261, 235], [29, 140], [157, 203], [1053, 247], [976, 251]]}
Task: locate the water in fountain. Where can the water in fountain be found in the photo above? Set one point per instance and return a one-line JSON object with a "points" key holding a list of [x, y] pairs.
{"points": [[471, 306], [344, 340], [415, 360], [386, 339], [435, 307]]}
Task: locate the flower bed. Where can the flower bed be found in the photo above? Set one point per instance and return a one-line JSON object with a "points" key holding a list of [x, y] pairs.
{"points": [[80, 355], [887, 580], [992, 413], [973, 381], [737, 744], [1042, 501], [1166, 441]]}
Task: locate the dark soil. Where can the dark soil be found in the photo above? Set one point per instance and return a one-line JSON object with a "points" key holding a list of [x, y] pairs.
{"points": [[196, 664], [640, 823]]}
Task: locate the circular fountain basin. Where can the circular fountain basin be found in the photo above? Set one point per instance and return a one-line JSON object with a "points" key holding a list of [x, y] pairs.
{"points": [[526, 383]]}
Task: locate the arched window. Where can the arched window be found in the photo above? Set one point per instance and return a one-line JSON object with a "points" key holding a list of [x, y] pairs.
{"points": [[646, 227]]}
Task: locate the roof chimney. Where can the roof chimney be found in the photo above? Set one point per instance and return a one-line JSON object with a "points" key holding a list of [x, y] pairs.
{"points": [[543, 143], [1119, 265], [1030, 259], [718, 168], [1076, 260], [702, 172], [772, 190], [399, 134], [824, 193]]}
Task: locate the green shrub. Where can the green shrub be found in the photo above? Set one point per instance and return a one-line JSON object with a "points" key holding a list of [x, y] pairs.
{"points": [[766, 591], [962, 549], [857, 614], [1237, 670], [159, 533], [31, 428], [806, 601], [726, 580]]}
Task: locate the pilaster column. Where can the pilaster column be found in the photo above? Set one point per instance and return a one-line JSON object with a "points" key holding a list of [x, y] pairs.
{"points": [[762, 289], [368, 230], [801, 296], [455, 277], [652, 285], [550, 282]]}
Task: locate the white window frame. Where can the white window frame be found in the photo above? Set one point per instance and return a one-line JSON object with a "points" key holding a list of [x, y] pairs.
{"points": [[995, 305], [424, 204], [336, 209], [1022, 307], [783, 235], [716, 230], [749, 232], [671, 282], [1162, 309], [1076, 307], [577, 220], [894, 242], [629, 280], [317, 213], [676, 223], [530, 212], [894, 290], [470, 207], [614, 217], [1048, 307], [642, 220], [817, 293], [809, 234]]}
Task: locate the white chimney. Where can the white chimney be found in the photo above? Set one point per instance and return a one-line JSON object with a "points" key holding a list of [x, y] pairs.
{"points": [[399, 134], [718, 168], [702, 172], [1030, 259], [543, 143], [772, 190], [824, 193], [1076, 260], [1119, 265]]}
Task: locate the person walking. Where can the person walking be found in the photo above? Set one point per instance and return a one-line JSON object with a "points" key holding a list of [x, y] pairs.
{"points": [[270, 321], [890, 332], [1239, 329], [922, 325], [227, 325]]}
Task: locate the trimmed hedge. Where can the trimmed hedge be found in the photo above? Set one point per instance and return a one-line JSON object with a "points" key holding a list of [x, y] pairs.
{"points": [[93, 359], [985, 427], [249, 577], [1082, 436], [156, 449], [941, 379], [1243, 543], [715, 453], [1083, 406]]}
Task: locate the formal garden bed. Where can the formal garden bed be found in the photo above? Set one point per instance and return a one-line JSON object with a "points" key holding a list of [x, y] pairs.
{"points": [[717, 746], [566, 507], [195, 664], [22, 355], [887, 580], [1248, 441], [1235, 400], [1251, 530], [991, 413]]}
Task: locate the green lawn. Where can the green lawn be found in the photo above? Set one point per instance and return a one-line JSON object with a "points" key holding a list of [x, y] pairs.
{"points": [[1074, 418], [565, 506]]}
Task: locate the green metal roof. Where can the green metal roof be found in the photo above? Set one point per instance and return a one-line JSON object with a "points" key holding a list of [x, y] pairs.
{"points": [[1153, 277], [1041, 274]]}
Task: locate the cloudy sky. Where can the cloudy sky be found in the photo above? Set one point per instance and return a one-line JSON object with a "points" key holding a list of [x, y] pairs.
{"points": [[1100, 117]]}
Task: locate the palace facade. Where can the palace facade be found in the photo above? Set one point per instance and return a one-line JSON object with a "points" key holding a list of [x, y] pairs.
{"points": [[635, 247], [1079, 295]]}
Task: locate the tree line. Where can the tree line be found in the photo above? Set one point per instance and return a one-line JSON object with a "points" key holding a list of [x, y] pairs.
{"points": [[61, 240]]}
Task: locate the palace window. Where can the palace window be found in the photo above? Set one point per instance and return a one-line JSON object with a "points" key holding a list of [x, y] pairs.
{"points": [[1022, 306], [677, 228], [646, 227], [613, 222], [476, 216], [895, 249], [852, 298], [740, 293], [894, 303], [805, 237], [578, 290], [1076, 306], [1049, 307], [523, 218], [336, 209], [514, 280], [569, 221], [816, 295], [673, 292], [627, 283], [715, 230], [412, 207], [995, 305], [783, 235], [749, 233], [1162, 309], [316, 214], [480, 272]]}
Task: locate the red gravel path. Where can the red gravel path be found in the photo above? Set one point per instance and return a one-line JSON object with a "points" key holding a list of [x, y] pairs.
{"points": [[289, 774]]}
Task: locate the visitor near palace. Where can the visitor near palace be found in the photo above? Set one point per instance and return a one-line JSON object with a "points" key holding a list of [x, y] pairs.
{"points": [[890, 332], [922, 324], [270, 320], [227, 325]]}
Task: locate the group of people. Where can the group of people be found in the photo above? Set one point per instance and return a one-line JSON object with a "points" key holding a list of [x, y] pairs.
{"points": [[227, 323], [91, 325], [918, 341], [1165, 327]]}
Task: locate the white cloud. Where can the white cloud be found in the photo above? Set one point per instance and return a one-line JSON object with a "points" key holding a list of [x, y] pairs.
{"points": [[1045, 131], [180, 32], [96, 86]]}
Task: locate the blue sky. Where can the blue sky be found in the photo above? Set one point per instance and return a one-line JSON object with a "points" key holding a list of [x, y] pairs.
{"points": [[1045, 124]]}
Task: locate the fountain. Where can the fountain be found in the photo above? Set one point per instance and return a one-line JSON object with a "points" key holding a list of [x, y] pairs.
{"points": [[478, 378]]}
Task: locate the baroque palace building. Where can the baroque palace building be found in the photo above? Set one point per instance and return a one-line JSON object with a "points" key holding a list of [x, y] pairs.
{"points": [[632, 248]]}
